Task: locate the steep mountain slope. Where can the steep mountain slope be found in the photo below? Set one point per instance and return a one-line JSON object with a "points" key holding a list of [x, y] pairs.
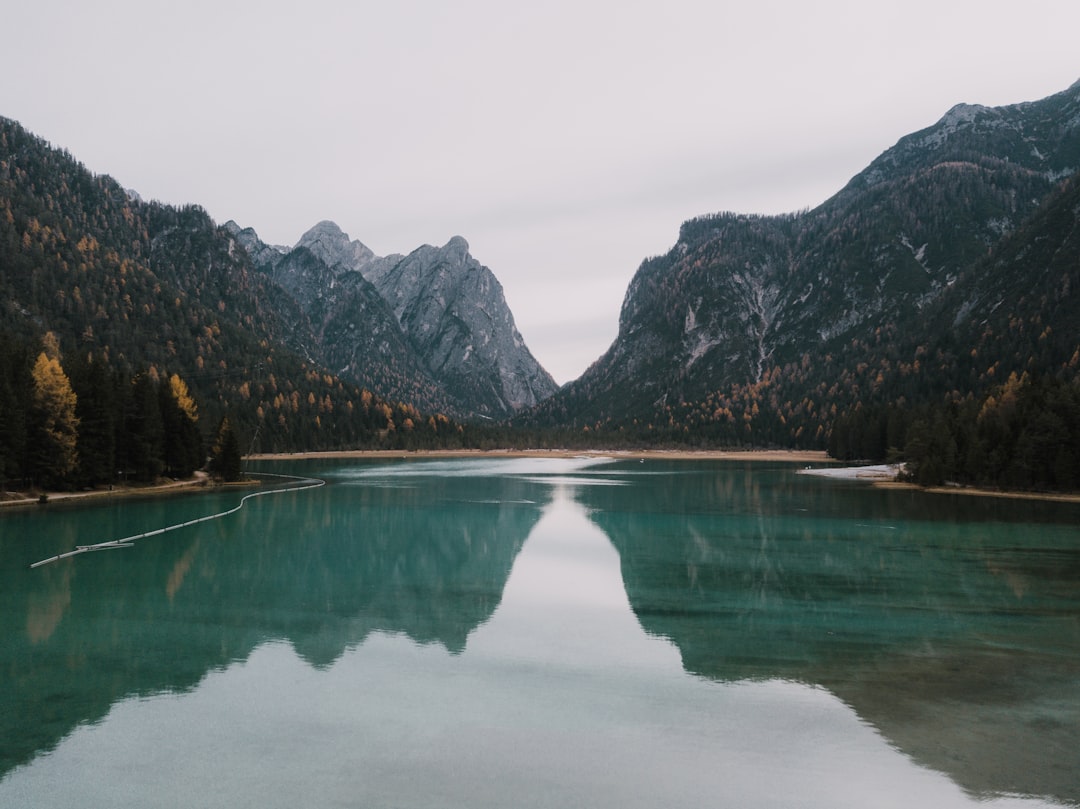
{"points": [[1020, 306], [432, 327], [79, 256], [352, 328], [150, 285], [453, 310], [774, 310], [150, 288]]}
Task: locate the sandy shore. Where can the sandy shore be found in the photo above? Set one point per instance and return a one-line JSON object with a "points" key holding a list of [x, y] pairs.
{"points": [[881, 476], [884, 476], [200, 480], [791, 456], [975, 492]]}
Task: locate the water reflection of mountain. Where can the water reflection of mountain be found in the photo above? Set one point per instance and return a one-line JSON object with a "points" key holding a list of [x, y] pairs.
{"points": [[950, 631], [321, 569]]}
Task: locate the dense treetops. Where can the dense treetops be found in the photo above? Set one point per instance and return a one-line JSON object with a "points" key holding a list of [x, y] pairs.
{"points": [[84, 422], [124, 297]]}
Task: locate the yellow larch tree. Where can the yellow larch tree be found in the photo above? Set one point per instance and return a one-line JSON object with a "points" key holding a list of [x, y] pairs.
{"points": [[55, 422]]}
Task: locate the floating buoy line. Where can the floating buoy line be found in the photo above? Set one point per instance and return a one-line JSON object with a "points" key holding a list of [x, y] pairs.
{"points": [[127, 542]]}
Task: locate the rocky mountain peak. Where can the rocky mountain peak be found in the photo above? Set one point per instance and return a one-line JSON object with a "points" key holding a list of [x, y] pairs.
{"points": [[960, 115], [260, 252], [432, 328], [453, 310], [457, 249], [332, 246]]}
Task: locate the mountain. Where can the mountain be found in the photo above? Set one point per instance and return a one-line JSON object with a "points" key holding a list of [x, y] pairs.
{"points": [[295, 344], [946, 266], [759, 329], [453, 310], [437, 318], [141, 288], [328, 243], [346, 323]]}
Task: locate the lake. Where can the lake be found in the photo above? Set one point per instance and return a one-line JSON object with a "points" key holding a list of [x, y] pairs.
{"points": [[544, 632]]}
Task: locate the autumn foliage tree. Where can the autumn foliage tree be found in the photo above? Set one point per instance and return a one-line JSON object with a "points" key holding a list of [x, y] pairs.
{"points": [[53, 444], [180, 419]]}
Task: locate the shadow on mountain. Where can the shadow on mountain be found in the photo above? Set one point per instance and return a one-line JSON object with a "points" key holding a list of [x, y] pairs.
{"points": [[936, 619], [321, 569]]}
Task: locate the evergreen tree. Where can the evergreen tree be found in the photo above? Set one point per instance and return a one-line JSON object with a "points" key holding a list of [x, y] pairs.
{"points": [[96, 407], [143, 435], [14, 405], [225, 457], [182, 440]]}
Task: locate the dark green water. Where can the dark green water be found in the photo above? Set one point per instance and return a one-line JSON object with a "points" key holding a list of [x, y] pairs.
{"points": [[545, 633]]}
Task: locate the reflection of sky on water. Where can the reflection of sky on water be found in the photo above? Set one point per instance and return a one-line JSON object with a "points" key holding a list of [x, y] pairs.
{"points": [[559, 699], [539, 468]]}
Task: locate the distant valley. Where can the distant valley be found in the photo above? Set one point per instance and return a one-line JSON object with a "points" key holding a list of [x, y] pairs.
{"points": [[946, 268]]}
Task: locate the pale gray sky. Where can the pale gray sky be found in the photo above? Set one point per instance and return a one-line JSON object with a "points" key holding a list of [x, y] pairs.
{"points": [[566, 141]]}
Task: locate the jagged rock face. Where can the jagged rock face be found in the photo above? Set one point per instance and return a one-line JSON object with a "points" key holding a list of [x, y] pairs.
{"points": [[328, 243], [432, 329], [261, 254], [715, 305], [353, 331], [738, 295], [453, 310]]}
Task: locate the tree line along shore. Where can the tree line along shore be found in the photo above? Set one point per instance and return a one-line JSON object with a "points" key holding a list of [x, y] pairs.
{"points": [[811, 461], [87, 425]]}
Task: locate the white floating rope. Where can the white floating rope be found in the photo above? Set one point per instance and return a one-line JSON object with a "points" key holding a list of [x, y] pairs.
{"points": [[127, 542]]}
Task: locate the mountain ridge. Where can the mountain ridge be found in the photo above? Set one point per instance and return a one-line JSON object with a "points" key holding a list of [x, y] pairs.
{"points": [[134, 291], [750, 330], [744, 304], [437, 315]]}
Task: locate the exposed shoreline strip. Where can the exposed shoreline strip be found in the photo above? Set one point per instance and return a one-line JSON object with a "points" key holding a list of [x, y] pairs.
{"points": [[780, 456], [784, 455], [886, 476]]}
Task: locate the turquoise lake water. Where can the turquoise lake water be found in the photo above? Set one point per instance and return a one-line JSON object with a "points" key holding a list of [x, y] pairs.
{"points": [[544, 633]]}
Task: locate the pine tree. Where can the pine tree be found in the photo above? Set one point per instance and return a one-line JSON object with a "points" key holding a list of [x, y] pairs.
{"points": [[183, 443], [96, 408], [225, 456], [15, 388], [142, 438]]}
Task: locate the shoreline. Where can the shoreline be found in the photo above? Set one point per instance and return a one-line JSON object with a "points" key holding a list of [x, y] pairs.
{"points": [[791, 456], [200, 481], [973, 491], [876, 476], [885, 476]]}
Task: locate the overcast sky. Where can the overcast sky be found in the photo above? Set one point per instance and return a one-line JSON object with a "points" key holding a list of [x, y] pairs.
{"points": [[566, 141]]}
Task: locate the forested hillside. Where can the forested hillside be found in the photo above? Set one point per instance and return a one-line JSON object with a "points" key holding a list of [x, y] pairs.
{"points": [[135, 293], [980, 386], [945, 267]]}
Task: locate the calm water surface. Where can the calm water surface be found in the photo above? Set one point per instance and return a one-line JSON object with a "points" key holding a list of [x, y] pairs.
{"points": [[545, 633]]}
